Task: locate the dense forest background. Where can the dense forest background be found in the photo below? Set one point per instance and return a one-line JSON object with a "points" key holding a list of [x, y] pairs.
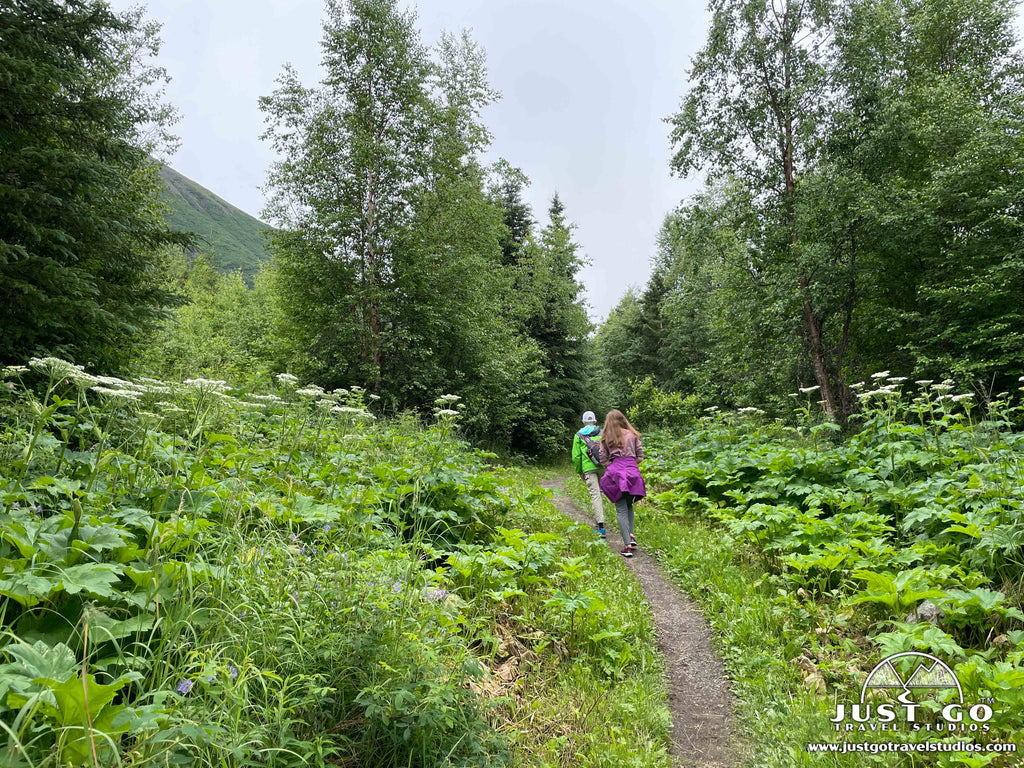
{"points": [[861, 211], [401, 263]]}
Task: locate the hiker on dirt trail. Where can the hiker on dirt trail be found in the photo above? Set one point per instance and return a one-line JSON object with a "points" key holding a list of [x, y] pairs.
{"points": [[585, 444], [622, 483]]}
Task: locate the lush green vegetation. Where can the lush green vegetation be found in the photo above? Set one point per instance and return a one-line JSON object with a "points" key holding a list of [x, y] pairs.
{"points": [[379, 197], [861, 159], [234, 240], [405, 265], [219, 567], [813, 555], [198, 575]]}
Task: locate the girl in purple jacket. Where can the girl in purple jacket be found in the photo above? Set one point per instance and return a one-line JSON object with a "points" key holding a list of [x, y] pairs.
{"points": [[622, 483]]}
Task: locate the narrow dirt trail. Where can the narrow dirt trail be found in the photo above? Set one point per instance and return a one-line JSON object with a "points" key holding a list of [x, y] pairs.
{"points": [[698, 691]]}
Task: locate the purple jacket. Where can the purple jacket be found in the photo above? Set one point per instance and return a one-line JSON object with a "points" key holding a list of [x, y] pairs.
{"points": [[623, 473], [622, 477]]}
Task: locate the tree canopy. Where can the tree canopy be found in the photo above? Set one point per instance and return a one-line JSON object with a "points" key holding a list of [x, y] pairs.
{"points": [[861, 209]]}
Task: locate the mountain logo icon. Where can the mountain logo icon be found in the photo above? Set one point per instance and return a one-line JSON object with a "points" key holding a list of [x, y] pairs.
{"points": [[899, 672]]}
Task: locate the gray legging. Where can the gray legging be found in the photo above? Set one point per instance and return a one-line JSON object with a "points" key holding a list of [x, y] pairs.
{"points": [[624, 511]]}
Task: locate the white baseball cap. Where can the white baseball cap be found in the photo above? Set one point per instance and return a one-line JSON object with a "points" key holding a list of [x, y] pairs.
{"points": [[589, 417]]}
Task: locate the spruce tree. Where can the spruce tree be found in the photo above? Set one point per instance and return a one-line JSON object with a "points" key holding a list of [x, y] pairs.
{"points": [[80, 223]]}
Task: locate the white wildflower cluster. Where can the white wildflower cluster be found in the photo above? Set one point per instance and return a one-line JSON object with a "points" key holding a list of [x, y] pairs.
{"points": [[113, 381], [311, 391], [924, 382], [53, 366], [361, 413], [213, 386], [287, 380], [265, 398], [14, 370], [896, 379], [945, 386], [859, 385], [808, 390], [448, 406], [960, 398], [59, 369], [880, 375], [118, 394], [711, 409], [749, 409], [113, 387], [889, 389]]}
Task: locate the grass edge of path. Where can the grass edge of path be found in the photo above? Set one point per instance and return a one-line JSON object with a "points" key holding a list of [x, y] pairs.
{"points": [[775, 717], [565, 717]]}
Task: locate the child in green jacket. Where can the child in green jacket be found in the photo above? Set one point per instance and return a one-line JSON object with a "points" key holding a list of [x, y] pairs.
{"points": [[587, 469]]}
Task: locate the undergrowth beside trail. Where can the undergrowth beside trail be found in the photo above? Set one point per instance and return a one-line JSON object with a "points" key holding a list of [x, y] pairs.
{"points": [[623, 721], [192, 574], [815, 558]]}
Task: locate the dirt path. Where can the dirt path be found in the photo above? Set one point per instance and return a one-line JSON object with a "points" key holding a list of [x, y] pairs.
{"points": [[698, 691]]}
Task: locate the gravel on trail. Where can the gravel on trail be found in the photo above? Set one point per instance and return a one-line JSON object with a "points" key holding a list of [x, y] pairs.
{"points": [[698, 691]]}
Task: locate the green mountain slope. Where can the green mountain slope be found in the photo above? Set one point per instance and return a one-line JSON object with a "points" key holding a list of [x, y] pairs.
{"points": [[235, 238]]}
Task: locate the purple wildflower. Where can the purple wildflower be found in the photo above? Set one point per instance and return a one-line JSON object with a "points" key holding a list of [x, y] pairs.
{"points": [[232, 670], [397, 587], [327, 528], [436, 595], [184, 686], [294, 537]]}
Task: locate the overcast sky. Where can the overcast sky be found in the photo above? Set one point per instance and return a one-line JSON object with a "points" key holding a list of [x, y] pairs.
{"points": [[585, 84]]}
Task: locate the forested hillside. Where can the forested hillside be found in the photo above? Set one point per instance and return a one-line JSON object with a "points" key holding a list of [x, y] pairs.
{"points": [[235, 240]]}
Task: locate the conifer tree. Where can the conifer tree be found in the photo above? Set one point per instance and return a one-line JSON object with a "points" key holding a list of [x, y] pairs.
{"points": [[80, 222]]}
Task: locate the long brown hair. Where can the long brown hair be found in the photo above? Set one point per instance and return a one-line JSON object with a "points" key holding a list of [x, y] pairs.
{"points": [[616, 425]]}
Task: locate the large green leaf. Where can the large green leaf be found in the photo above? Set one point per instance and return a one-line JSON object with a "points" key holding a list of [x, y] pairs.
{"points": [[94, 578], [18, 679]]}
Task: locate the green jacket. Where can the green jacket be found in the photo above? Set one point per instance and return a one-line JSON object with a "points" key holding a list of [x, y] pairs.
{"points": [[580, 461]]}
